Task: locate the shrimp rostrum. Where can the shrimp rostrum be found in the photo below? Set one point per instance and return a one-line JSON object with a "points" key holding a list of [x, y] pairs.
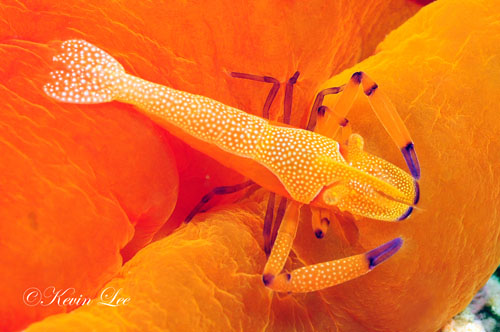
{"points": [[304, 166]]}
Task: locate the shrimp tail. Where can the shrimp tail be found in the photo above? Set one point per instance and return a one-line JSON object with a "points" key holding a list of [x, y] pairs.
{"points": [[88, 75]]}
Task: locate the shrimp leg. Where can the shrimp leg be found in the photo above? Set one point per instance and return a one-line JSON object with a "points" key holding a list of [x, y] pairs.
{"points": [[380, 104], [282, 245], [223, 190], [318, 276], [319, 223], [324, 116], [276, 225], [320, 121], [270, 229], [266, 79]]}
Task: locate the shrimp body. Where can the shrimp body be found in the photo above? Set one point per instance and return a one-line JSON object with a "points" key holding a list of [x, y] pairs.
{"points": [[287, 153], [302, 165]]}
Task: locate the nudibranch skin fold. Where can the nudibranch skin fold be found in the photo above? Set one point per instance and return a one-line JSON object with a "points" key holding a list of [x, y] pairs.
{"points": [[302, 165]]}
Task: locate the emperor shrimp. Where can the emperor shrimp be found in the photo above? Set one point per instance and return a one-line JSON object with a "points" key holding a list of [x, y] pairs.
{"points": [[304, 166]]}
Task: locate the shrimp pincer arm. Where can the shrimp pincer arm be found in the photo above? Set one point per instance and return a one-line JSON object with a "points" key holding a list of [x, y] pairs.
{"points": [[318, 276], [323, 275], [328, 119]]}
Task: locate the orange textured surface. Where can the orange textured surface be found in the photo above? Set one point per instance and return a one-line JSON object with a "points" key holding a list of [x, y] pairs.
{"points": [[80, 177], [66, 210], [443, 77]]}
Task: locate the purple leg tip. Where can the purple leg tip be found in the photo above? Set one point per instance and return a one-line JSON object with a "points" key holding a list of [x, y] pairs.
{"points": [[294, 78], [267, 279], [417, 193], [385, 251], [406, 214], [319, 233], [411, 160]]}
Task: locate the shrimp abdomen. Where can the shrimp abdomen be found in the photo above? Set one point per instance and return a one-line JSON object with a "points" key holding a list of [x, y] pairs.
{"points": [[230, 136]]}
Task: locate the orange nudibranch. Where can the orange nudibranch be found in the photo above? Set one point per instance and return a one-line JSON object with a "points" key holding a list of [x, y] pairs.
{"points": [[302, 165]]}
